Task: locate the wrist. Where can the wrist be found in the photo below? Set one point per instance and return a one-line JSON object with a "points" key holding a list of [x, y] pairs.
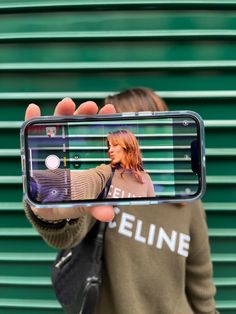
{"points": [[43, 222], [47, 220], [47, 215]]}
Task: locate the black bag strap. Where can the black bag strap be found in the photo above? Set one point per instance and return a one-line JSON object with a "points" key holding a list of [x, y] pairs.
{"points": [[105, 191], [98, 244], [102, 225]]}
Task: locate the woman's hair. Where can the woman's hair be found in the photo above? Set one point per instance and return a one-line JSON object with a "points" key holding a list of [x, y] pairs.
{"points": [[133, 100], [137, 99], [132, 153]]}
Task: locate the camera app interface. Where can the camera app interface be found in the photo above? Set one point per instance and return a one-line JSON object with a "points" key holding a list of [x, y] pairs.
{"points": [[72, 161]]}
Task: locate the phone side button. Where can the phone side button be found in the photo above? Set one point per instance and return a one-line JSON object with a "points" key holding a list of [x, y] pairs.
{"points": [[129, 114], [23, 164], [145, 113], [23, 183]]}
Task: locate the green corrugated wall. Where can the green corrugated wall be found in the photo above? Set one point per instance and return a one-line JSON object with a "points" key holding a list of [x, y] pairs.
{"points": [[185, 50]]}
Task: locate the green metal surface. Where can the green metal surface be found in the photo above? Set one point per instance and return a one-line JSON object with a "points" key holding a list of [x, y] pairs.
{"points": [[115, 51], [183, 49]]}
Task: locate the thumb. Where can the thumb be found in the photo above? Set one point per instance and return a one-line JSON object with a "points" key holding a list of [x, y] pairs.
{"points": [[102, 213]]}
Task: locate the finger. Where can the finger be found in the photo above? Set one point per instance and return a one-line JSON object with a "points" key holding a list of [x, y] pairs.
{"points": [[32, 111], [183, 204], [107, 109], [65, 107], [88, 107], [102, 213]]}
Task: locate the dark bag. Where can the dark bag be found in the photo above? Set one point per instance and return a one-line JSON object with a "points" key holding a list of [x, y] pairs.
{"points": [[77, 272]]}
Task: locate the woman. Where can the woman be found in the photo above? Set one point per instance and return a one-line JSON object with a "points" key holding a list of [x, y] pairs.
{"points": [[130, 179], [156, 257]]}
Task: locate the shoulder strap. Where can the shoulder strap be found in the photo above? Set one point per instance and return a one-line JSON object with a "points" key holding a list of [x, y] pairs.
{"points": [[105, 191], [98, 244], [103, 225]]}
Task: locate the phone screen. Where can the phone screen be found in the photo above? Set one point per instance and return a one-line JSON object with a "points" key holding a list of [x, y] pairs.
{"points": [[150, 157]]}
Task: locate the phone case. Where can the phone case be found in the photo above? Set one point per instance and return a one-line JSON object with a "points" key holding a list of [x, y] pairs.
{"points": [[64, 150]]}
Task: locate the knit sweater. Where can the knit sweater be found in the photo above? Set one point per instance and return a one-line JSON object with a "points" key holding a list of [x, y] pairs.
{"points": [[126, 185], [156, 258], [65, 185]]}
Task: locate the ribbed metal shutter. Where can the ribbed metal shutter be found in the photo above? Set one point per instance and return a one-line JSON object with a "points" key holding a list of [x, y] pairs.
{"points": [[185, 50]]}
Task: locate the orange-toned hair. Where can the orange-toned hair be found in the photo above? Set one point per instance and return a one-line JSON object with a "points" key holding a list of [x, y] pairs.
{"points": [[133, 156], [138, 99]]}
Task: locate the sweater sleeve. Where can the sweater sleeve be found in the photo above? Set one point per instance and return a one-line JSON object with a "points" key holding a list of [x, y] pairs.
{"points": [[63, 184], [88, 184], [200, 288], [63, 235], [69, 232]]}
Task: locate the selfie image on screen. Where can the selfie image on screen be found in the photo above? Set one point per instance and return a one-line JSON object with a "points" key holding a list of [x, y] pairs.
{"points": [[159, 157]]}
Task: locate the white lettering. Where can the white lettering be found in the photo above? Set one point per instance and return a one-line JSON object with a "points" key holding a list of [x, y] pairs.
{"points": [[110, 190], [184, 240], [175, 241], [112, 224], [138, 237], [116, 193], [162, 236], [151, 234], [126, 224], [116, 210]]}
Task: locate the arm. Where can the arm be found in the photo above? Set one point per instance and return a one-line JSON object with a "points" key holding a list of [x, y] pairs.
{"points": [[73, 223], [69, 184], [88, 184], [62, 234], [200, 288]]}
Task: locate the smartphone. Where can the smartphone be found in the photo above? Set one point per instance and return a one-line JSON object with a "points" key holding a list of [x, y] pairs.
{"points": [[152, 157]]}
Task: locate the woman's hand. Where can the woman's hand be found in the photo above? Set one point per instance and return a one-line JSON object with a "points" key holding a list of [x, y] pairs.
{"points": [[67, 107]]}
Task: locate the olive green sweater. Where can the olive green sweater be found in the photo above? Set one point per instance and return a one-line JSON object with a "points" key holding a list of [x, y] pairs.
{"points": [[156, 258]]}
